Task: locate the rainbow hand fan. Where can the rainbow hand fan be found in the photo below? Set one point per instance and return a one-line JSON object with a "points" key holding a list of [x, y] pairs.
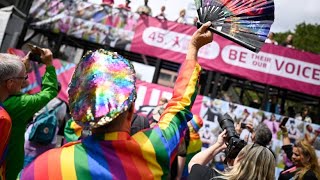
{"points": [[245, 22]]}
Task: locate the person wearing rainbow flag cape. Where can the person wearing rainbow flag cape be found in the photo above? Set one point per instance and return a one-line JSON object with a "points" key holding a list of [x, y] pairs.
{"points": [[101, 96]]}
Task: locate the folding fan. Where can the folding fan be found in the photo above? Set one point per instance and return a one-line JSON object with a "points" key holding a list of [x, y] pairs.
{"points": [[245, 22]]}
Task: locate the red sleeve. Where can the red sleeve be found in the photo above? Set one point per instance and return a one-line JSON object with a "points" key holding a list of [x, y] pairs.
{"points": [[5, 128]]}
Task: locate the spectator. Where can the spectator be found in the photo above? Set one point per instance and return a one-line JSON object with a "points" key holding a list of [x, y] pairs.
{"points": [[288, 42], [145, 9], [270, 39], [126, 5], [262, 135], [273, 106], [110, 152], [195, 20], [22, 108], [12, 74], [162, 15], [304, 158], [304, 115], [253, 162], [182, 18]]}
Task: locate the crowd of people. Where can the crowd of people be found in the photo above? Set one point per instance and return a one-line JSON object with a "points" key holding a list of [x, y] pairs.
{"points": [[107, 139]]}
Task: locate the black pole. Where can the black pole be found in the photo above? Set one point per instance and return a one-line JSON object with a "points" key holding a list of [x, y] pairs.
{"points": [[215, 86], [157, 71], [241, 94], [265, 97], [283, 102], [57, 45], [208, 83]]}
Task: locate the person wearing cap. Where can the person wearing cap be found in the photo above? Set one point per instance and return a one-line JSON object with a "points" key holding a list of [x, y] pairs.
{"points": [[21, 108], [12, 74], [101, 96]]}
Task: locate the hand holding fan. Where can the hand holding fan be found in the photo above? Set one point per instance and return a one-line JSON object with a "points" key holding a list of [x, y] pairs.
{"points": [[245, 22]]}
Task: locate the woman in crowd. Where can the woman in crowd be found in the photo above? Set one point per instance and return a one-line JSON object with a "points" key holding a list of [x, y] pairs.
{"points": [[253, 162], [304, 158]]}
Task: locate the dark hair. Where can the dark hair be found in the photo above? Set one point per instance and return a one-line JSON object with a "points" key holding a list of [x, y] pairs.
{"points": [[263, 135]]}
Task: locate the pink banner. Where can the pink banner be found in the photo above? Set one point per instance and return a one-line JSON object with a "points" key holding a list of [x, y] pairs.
{"points": [[274, 65]]}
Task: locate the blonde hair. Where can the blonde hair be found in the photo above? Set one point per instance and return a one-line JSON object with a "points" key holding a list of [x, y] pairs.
{"points": [[310, 160], [255, 162]]}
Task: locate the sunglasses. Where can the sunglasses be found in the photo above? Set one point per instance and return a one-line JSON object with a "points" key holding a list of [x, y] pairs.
{"points": [[25, 77]]}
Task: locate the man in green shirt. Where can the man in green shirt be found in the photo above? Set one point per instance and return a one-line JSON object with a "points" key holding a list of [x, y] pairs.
{"points": [[22, 108]]}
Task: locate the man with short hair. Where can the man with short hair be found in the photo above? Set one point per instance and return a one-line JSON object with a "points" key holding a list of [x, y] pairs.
{"points": [[12, 73], [101, 96], [262, 135], [21, 108]]}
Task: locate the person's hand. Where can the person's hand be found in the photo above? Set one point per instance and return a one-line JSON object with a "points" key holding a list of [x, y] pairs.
{"points": [[201, 37], [250, 127], [284, 129], [26, 62], [46, 56], [221, 141]]}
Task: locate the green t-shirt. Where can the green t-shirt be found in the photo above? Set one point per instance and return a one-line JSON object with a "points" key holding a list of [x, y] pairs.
{"points": [[21, 109]]}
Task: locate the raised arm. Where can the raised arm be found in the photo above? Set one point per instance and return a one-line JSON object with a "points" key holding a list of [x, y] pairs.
{"points": [[205, 156], [173, 120], [287, 147], [49, 89]]}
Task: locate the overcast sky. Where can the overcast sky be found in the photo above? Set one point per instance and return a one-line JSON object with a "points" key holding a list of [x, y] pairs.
{"points": [[288, 13]]}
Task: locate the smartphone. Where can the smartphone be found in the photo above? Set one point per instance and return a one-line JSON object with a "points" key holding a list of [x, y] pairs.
{"points": [[243, 125], [34, 55], [284, 121]]}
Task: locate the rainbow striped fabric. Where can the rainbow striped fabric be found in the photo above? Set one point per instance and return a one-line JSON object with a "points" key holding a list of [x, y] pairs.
{"points": [[194, 147], [72, 131], [146, 155]]}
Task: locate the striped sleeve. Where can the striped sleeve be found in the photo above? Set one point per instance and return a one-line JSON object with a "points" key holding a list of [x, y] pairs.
{"points": [[173, 121]]}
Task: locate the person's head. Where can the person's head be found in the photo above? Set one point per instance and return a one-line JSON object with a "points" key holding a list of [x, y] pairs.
{"points": [[253, 162], [195, 123], [305, 111], [146, 2], [262, 135], [309, 128], [246, 113], [157, 111], [270, 35], [195, 19], [12, 74], [272, 117], [182, 13], [163, 101], [304, 156], [163, 8], [232, 107], [289, 39], [128, 2], [102, 91]]}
